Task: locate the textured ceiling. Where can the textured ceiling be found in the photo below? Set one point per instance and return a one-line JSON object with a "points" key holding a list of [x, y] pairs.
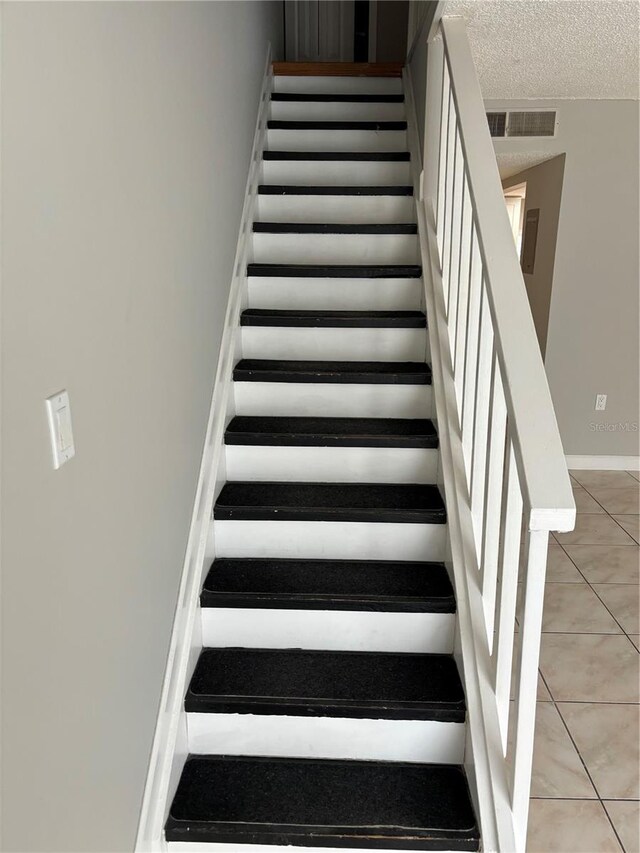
{"points": [[512, 162], [553, 48]]}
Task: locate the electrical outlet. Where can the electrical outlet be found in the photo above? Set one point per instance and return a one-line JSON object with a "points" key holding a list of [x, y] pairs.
{"points": [[601, 402]]}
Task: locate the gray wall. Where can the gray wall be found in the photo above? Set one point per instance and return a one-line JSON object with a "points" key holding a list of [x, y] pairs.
{"points": [[126, 134], [544, 193], [418, 61], [592, 341]]}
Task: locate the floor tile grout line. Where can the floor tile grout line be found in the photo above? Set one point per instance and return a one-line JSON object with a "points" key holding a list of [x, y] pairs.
{"points": [[595, 592], [555, 702], [591, 702], [586, 770], [588, 633], [626, 486], [613, 826], [633, 539], [587, 799], [600, 503]]}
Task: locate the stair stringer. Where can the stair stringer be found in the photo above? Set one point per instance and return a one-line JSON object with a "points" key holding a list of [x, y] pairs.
{"points": [[484, 758], [170, 747]]}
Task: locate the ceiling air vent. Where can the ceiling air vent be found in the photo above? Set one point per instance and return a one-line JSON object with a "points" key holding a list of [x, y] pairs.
{"points": [[520, 124], [540, 123], [497, 123]]}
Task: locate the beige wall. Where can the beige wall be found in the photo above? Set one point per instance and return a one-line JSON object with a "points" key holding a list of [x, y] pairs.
{"points": [[126, 134], [593, 334], [544, 192]]}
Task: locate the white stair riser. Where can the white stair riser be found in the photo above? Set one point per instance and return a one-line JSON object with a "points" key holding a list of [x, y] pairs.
{"points": [[332, 464], [291, 248], [337, 140], [338, 630], [347, 344], [326, 737], [332, 400], [362, 173], [336, 111], [369, 294], [350, 209], [329, 540], [336, 85]]}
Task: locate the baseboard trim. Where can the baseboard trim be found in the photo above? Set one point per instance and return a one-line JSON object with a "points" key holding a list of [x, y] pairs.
{"points": [[603, 463]]}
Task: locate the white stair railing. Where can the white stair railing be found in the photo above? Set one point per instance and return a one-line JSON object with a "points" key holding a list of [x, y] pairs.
{"points": [[511, 472]]}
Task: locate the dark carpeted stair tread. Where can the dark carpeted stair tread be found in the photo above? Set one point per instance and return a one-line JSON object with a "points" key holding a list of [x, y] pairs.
{"points": [[333, 372], [332, 432], [303, 682], [333, 319], [368, 502], [351, 156], [304, 189], [370, 585], [323, 802]]}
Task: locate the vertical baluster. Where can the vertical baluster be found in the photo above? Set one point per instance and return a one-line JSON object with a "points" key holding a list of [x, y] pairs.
{"points": [[506, 610], [452, 130], [471, 350], [493, 496], [456, 230], [481, 419], [435, 128], [526, 678], [466, 233], [446, 108]]}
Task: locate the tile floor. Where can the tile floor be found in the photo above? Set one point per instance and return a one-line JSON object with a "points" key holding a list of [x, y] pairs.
{"points": [[585, 788]]}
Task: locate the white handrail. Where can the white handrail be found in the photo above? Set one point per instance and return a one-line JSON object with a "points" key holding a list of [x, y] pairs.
{"points": [[503, 466]]}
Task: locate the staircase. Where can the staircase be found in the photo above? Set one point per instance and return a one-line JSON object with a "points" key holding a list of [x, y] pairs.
{"points": [[325, 708]]}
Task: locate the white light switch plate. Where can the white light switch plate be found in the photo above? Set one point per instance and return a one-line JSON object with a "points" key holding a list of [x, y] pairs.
{"points": [[59, 415]]}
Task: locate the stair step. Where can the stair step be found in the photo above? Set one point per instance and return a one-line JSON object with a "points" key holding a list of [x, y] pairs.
{"points": [[303, 189], [334, 228], [354, 156], [376, 126], [334, 319], [332, 432], [370, 98], [380, 585], [403, 503], [304, 682], [333, 372], [323, 802], [335, 71], [335, 270]]}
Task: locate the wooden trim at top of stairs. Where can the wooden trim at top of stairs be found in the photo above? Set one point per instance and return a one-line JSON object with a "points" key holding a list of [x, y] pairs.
{"points": [[338, 69]]}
